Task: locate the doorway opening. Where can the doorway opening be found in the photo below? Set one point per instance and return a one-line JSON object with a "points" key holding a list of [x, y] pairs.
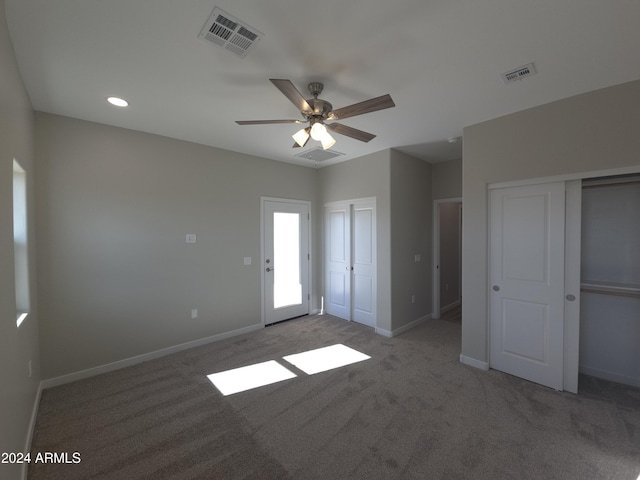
{"points": [[447, 259]]}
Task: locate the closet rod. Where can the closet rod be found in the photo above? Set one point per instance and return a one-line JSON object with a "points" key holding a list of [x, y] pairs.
{"points": [[611, 291], [612, 184]]}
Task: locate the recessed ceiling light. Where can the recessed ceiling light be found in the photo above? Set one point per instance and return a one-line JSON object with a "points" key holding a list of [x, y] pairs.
{"points": [[117, 101]]}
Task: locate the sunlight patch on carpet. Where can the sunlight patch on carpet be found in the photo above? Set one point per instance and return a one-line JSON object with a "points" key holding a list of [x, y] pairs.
{"points": [[326, 358], [252, 376]]}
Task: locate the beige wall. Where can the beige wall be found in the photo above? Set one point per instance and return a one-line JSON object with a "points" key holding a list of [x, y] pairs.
{"points": [[116, 278], [17, 345], [363, 177], [447, 179], [591, 132], [402, 187], [411, 227]]}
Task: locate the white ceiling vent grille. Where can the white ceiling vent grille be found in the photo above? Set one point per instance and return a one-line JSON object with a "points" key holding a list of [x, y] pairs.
{"points": [[519, 73], [229, 33], [318, 154]]}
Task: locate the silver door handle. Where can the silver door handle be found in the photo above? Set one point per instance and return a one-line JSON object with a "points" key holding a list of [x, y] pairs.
{"points": [[349, 268], [268, 269], [496, 288]]}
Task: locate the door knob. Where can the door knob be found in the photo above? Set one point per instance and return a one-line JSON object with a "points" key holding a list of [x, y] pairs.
{"points": [[570, 297], [268, 269], [349, 268], [496, 288]]}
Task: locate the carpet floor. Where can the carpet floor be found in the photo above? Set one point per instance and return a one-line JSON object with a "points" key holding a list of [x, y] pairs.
{"points": [[411, 411]]}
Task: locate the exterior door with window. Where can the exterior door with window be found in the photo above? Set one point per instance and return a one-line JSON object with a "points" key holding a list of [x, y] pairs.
{"points": [[285, 259]]}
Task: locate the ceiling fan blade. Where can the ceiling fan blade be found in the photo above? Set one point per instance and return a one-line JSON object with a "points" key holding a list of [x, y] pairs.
{"points": [[378, 103], [350, 132], [292, 93], [265, 122]]}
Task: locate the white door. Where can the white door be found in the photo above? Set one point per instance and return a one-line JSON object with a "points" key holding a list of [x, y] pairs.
{"points": [[527, 228], [337, 224], [364, 263], [350, 261], [285, 260]]}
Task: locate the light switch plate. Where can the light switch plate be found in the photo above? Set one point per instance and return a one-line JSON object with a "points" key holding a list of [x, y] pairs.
{"points": [[191, 238], [247, 260]]}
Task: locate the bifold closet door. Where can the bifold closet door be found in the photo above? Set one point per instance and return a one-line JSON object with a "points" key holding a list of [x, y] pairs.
{"points": [[350, 261]]}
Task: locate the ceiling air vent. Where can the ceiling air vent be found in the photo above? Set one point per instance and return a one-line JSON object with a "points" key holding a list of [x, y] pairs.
{"points": [[518, 73], [229, 33], [318, 154]]}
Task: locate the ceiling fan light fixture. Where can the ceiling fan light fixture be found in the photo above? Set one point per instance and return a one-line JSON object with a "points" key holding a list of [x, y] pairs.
{"points": [[301, 136], [318, 131], [327, 141]]}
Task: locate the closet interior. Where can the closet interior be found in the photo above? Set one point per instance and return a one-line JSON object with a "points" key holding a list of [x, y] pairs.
{"points": [[610, 279]]}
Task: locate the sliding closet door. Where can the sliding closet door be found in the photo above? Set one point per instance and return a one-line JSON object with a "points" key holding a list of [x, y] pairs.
{"points": [[527, 232]]}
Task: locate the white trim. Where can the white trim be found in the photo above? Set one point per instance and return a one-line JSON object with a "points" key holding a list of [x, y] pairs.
{"points": [[435, 292], [31, 429], [451, 306], [402, 329], [567, 176], [350, 200], [572, 266], [611, 376], [472, 362], [127, 362]]}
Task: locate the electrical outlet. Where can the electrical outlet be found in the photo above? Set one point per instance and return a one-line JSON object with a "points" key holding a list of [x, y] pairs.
{"points": [[417, 258], [191, 238], [194, 313]]}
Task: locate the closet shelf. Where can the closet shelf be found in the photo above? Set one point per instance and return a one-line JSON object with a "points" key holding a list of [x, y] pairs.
{"points": [[621, 289]]}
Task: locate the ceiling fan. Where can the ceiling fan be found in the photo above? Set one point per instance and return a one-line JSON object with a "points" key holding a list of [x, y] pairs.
{"points": [[316, 111]]}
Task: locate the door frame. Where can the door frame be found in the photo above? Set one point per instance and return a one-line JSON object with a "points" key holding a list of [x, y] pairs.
{"points": [[263, 200], [436, 253]]}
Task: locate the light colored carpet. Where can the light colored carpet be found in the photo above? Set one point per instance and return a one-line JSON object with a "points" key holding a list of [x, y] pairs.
{"points": [[410, 412]]}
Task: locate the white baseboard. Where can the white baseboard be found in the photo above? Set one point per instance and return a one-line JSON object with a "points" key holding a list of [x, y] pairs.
{"points": [[611, 376], [402, 329], [127, 362], [450, 306], [472, 362], [31, 429]]}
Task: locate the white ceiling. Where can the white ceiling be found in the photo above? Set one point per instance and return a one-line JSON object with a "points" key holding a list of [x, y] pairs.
{"points": [[440, 60]]}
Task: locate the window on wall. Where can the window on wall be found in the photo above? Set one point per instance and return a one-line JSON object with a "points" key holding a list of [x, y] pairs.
{"points": [[20, 249]]}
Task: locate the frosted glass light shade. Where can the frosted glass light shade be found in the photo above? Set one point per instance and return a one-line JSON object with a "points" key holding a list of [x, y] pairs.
{"points": [[318, 131], [301, 137]]}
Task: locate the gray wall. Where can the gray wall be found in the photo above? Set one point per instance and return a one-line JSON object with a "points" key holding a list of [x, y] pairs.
{"points": [[116, 278], [411, 227], [586, 133], [18, 392]]}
